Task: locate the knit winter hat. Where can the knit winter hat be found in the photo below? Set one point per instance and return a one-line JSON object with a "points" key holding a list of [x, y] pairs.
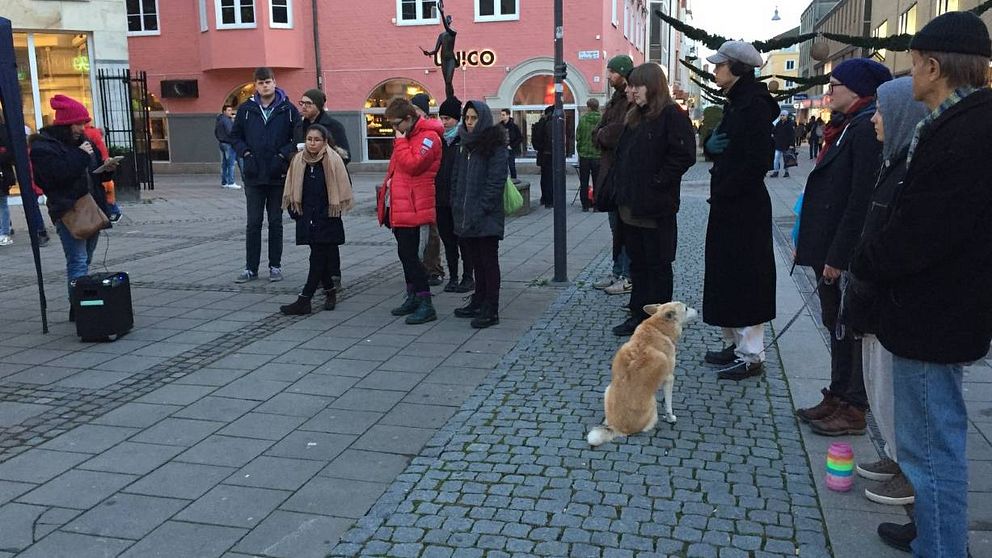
{"points": [[621, 64], [861, 75], [960, 32], [317, 96], [451, 107], [422, 101], [69, 111]]}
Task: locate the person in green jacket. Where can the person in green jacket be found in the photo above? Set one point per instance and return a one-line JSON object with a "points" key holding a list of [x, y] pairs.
{"points": [[588, 152]]}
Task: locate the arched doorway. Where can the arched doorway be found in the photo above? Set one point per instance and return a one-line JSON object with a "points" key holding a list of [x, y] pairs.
{"points": [[239, 95], [379, 134], [529, 101]]}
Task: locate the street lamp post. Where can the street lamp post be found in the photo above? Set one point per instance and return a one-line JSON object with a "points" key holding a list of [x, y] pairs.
{"points": [[558, 151]]}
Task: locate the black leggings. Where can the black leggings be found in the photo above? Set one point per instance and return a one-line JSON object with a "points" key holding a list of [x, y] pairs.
{"points": [[651, 252], [408, 248], [484, 253], [446, 228], [325, 261]]}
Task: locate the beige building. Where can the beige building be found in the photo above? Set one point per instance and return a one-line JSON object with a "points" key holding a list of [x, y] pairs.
{"points": [[782, 62], [60, 45]]}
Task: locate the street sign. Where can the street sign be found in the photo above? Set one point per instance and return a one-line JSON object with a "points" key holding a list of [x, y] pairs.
{"points": [[801, 96], [588, 55]]}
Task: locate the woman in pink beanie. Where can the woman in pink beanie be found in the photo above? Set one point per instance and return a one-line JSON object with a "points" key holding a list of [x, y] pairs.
{"points": [[63, 162]]}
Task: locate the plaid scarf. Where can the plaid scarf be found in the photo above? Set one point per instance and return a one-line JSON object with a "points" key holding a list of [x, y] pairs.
{"points": [[955, 97]]}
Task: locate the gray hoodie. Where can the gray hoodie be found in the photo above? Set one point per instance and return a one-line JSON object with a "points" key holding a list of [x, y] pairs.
{"points": [[900, 115]]}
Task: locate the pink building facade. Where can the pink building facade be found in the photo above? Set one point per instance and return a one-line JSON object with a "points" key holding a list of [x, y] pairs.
{"points": [[202, 54]]}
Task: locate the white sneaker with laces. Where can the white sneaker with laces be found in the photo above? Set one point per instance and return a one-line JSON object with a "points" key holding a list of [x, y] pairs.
{"points": [[605, 282], [5, 240], [622, 286]]}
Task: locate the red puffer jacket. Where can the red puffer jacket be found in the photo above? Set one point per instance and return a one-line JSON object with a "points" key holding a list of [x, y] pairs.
{"points": [[409, 181]]}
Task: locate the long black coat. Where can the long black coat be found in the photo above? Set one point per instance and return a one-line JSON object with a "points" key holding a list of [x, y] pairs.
{"points": [[836, 198], [650, 161], [314, 226], [477, 191], [933, 257], [739, 286], [784, 134]]}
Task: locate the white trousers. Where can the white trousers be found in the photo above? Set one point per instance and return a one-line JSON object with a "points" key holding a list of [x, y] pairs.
{"points": [[750, 342], [878, 384]]}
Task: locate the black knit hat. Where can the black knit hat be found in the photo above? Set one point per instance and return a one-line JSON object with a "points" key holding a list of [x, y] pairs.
{"points": [[317, 96], [958, 32], [422, 101], [451, 107]]}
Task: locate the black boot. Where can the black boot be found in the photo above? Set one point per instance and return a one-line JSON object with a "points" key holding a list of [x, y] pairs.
{"points": [[330, 300], [72, 312], [470, 310], [452, 286], [773, 175], [722, 357], [408, 306], [298, 308], [627, 327], [424, 312], [467, 285], [488, 316], [898, 536]]}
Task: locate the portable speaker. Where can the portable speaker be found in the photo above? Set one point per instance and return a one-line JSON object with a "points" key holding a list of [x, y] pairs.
{"points": [[102, 306]]}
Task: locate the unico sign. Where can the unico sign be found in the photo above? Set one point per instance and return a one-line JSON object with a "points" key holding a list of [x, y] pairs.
{"points": [[472, 58]]}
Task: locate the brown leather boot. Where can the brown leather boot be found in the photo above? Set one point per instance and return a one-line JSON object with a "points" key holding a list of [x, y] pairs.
{"points": [[847, 419], [822, 410]]}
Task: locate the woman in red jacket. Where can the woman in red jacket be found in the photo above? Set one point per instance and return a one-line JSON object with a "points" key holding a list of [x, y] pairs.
{"points": [[406, 201]]}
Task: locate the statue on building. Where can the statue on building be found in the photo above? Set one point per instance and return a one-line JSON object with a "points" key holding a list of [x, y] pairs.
{"points": [[446, 46]]}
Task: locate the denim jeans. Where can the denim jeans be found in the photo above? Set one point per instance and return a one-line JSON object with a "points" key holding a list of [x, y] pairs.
{"points": [[931, 430], [779, 163], [228, 158], [78, 254], [4, 216], [263, 199], [621, 261]]}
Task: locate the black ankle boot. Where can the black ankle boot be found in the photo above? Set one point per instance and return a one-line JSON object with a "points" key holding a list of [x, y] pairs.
{"points": [[452, 286], [408, 306], [488, 316], [424, 312], [298, 308], [470, 310], [330, 300], [467, 285]]}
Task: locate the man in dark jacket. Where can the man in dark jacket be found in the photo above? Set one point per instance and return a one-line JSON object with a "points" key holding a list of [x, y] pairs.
{"points": [[739, 283], [784, 134], [515, 139], [606, 136], [263, 136], [836, 199], [933, 262], [228, 157], [540, 138], [312, 112], [450, 113]]}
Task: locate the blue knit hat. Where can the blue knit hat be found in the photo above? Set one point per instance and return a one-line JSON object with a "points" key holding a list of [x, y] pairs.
{"points": [[861, 75]]}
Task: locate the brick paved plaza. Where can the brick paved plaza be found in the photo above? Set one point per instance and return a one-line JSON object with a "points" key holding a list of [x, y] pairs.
{"points": [[220, 428]]}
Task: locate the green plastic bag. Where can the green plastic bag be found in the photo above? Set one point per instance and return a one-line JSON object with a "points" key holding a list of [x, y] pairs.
{"points": [[512, 200]]}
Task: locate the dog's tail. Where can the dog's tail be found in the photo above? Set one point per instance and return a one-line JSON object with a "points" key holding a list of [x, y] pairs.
{"points": [[601, 435]]}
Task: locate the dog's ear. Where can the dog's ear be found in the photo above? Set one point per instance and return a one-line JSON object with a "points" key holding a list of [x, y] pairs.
{"points": [[651, 309]]}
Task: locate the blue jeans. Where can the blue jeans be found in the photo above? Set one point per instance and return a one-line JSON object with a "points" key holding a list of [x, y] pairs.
{"points": [[779, 163], [228, 158], [78, 253], [4, 216], [931, 430], [621, 261]]}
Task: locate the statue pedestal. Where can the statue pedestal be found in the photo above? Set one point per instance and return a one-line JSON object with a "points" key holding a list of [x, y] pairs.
{"points": [[524, 189]]}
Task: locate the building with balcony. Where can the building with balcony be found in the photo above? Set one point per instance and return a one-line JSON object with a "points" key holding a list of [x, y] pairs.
{"points": [[369, 53]]}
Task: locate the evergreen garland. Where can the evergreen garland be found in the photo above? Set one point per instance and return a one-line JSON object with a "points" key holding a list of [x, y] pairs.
{"points": [[899, 43], [784, 42], [982, 8], [713, 92], [714, 100], [698, 71], [712, 42]]}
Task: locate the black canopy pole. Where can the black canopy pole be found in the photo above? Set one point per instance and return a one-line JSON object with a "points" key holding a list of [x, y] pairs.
{"points": [[558, 151], [13, 117]]}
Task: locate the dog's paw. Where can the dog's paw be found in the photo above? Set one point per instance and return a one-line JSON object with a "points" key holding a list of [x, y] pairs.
{"points": [[670, 419]]}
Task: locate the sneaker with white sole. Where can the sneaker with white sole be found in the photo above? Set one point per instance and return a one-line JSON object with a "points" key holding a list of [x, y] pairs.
{"points": [[605, 282], [622, 286], [896, 492], [5, 240], [275, 274], [882, 470], [246, 276]]}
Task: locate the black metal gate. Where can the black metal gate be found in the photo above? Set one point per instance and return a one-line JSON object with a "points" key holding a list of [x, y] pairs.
{"points": [[124, 106]]}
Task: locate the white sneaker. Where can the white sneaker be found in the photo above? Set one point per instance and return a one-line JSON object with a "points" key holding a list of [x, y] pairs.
{"points": [[5, 240], [605, 282], [622, 286], [234, 186]]}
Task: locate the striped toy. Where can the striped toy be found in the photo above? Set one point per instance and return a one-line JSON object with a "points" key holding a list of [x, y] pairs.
{"points": [[840, 467]]}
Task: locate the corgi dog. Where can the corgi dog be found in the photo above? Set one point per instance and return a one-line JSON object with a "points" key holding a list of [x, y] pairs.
{"points": [[640, 367]]}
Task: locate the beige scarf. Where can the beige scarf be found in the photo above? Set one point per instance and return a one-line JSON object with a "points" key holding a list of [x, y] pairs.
{"points": [[339, 194]]}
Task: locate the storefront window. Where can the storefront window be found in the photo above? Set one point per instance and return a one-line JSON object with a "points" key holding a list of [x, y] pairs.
{"points": [[379, 133], [23, 61], [61, 65], [158, 121], [529, 102]]}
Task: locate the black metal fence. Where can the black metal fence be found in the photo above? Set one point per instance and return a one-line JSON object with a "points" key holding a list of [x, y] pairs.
{"points": [[124, 105]]}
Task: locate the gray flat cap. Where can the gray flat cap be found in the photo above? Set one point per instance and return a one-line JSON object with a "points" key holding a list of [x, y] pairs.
{"points": [[737, 51]]}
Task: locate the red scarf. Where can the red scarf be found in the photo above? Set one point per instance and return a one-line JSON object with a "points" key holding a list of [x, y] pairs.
{"points": [[839, 121]]}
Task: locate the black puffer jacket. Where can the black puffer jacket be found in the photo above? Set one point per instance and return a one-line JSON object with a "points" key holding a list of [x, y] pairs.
{"points": [[480, 175], [932, 259], [64, 172], [650, 161]]}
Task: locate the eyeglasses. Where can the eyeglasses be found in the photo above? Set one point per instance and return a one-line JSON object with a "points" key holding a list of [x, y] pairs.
{"points": [[396, 123], [306, 103], [832, 85]]}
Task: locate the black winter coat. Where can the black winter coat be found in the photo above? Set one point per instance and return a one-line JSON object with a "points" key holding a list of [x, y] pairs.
{"points": [[514, 137], [336, 129], [785, 135], [650, 161], [314, 226], [540, 138], [64, 173], [445, 173], [270, 142], [7, 176], [222, 129], [477, 192], [739, 284], [836, 197], [933, 258]]}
